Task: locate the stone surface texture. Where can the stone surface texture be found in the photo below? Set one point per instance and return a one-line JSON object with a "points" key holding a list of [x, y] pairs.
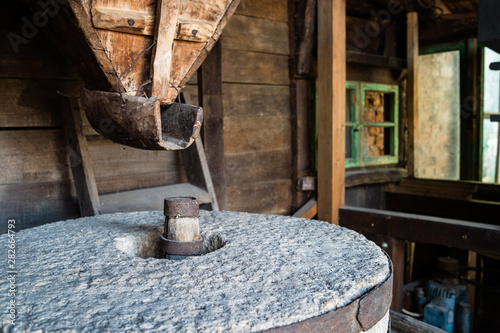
{"points": [[89, 274]]}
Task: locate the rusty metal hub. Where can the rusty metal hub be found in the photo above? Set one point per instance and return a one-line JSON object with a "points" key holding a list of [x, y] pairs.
{"points": [[181, 236]]}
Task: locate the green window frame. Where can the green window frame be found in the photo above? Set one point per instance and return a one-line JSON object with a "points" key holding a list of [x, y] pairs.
{"points": [[359, 129]]}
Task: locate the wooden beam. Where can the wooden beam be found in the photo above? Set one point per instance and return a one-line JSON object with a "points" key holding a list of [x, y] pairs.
{"points": [[197, 172], [395, 248], [401, 323], [80, 160], [412, 89], [448, 28], [308, 211], [305, 27], [374, 176], [470, 113], [473, 210], [210, 97], [142, 23], [331, 108], [478, 237], [166, 20], [375, 60]]}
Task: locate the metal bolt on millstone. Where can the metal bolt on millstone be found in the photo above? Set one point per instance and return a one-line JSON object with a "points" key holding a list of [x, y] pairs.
{"points": [[181, 235]]}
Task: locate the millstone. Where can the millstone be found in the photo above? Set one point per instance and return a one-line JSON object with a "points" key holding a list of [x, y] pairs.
{"points": [[259, 272]]}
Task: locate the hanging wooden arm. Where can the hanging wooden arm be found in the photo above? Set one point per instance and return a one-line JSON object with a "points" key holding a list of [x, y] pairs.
{"points": [[167, 12]]}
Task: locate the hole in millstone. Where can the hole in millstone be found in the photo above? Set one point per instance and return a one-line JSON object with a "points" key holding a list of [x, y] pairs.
{"points": [[146, 244]]}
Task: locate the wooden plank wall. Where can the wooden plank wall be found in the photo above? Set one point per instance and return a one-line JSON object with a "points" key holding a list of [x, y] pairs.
{"points": [[256, 101], [36, 183], [35, 179]]}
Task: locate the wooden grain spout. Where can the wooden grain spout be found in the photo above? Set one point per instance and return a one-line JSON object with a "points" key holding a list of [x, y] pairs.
{"points": [[169, 39], [142, 122]]}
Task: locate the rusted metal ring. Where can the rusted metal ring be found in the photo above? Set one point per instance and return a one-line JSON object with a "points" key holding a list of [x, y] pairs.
{"points": [[181, 248], [181, 207]]}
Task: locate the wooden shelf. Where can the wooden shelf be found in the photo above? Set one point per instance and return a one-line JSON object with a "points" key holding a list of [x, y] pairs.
{"points": [[375, 60]]}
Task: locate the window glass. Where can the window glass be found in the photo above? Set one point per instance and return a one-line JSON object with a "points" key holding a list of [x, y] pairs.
{"points": [[491, 82], [438, 140], [490, 150], [371, 129]]}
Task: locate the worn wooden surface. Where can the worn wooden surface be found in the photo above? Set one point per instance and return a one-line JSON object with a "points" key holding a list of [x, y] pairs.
{"points": [[401, 323], [256, 133], [474, 210], [211, 100], [165, 23], [197, 171], [36, 184], [36, 203], [301, 138], [256, 111], [257, 166], [269, 9], [368, 196], [33, 103], [253, 67], [308, 211], [150, 198], [33, 156], [375, 176], [255, 99], [80, 160], [395, 248], [304, 36], [363, 73], [142, 168], [331, 108], [412, 90], [245, 33], [460, 234], [268, 197]]}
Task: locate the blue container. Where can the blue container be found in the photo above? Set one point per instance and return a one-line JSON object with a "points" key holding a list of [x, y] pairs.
{"points": [[440, 312]]}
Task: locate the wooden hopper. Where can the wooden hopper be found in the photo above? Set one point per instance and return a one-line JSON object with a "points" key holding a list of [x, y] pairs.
{"points": [[135, 56]]}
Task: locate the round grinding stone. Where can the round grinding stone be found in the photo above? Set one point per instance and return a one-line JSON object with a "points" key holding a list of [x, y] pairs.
{"points": [[259, 272]]}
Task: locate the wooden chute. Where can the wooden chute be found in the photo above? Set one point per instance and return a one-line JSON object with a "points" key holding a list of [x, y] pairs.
{"points": [[135, 56]]}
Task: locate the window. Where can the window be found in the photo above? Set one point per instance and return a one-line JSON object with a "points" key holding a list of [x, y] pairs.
{"points": [[437, 152], [371, 124], [491, 108]]}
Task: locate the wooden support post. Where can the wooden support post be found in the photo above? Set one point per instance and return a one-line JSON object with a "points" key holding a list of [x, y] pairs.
{"points": [[412, 90], [165, 28], [210, 95], [395, 248], [472, 275], [197, 172], [331, 108], [80, 160]]}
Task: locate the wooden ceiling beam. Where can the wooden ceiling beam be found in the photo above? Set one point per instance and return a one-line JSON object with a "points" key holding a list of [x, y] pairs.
{"points": [[447, 28]]}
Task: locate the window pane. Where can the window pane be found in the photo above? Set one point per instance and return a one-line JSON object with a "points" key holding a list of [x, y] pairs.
{"points": [[490, 149], [491, 82], [379, 141], [378, 106], [374, 106], [438, 146], [348, 141]]}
